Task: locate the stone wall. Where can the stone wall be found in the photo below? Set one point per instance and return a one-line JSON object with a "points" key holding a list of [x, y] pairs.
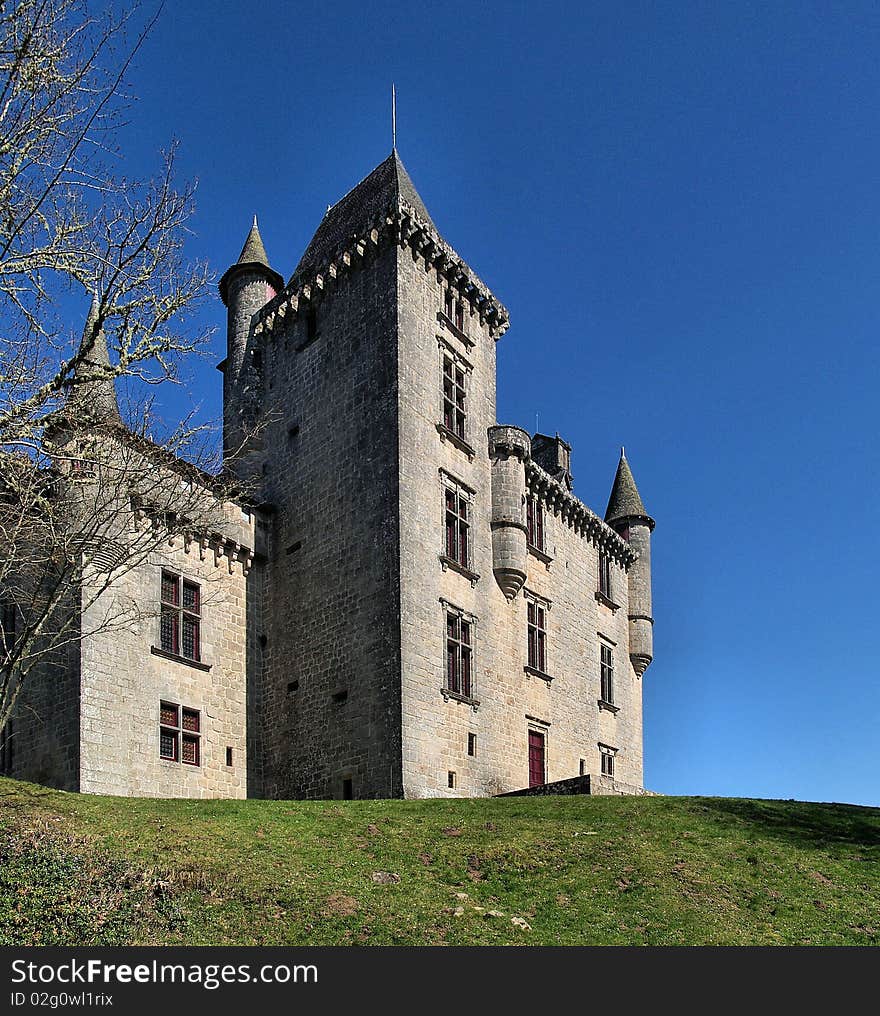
{"points": [[509, 699], [596, 786], [43, 737], [125, 676], [330, 692]]}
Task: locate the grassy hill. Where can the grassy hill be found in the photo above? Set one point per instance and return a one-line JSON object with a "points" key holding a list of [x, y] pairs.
{"points": [[569, 871]]}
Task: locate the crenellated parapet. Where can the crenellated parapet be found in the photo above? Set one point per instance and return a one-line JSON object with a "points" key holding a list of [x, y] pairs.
{"points": [[230, 542], [574, 513], [435, 254]]}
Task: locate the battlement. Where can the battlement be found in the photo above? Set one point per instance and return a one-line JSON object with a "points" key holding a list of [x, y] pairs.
{"points": [[575, 514]]}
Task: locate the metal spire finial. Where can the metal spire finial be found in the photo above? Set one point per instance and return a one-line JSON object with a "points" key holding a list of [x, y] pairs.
{"points": [[393, 118]]}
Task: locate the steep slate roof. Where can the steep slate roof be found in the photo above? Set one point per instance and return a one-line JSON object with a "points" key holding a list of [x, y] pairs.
{"points": [[625, 501], [253, 255], [93, 394], [371, 198]]}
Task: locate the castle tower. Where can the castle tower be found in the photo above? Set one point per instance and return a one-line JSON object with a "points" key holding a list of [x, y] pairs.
{"points": [[626, 514], [429, 575], [245, 287]]}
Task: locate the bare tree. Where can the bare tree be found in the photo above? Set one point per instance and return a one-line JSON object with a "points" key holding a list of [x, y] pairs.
{"points": [[75, 482]]}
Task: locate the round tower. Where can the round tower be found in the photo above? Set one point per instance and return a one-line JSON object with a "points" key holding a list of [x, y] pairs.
{"points": [[509, 449], [244, 288], [626, 514]]}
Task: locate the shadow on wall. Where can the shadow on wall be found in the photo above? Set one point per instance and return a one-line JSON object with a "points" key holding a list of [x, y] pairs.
{"points": [[804, 824]]}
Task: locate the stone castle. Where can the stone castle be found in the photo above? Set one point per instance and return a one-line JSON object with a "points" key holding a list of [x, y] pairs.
{"points": [[412, 604]]}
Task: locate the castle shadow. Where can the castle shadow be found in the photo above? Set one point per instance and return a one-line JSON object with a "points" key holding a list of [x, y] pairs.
{"points": [[804, 824]]}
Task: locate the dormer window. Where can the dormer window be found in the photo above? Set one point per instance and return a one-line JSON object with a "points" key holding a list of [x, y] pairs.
{"points": [[83, 462], [453, 308]]}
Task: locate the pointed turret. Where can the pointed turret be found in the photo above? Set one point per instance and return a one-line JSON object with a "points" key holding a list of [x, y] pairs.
{"points": [[253, 257], [93, 392], [626, 514], [625, 501], [245, 287]]}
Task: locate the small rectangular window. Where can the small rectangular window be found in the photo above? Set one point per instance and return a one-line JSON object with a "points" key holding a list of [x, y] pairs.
{"points": [[448, 304], [606, 759], [583, 768], [605, 574], [450, 776], [606, 668], [347, 789], [229, 756], [459, 315], [535, 522], [472, 745]]}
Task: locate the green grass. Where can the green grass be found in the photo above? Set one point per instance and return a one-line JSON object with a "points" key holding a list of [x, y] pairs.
{"points": [[76, 869]]}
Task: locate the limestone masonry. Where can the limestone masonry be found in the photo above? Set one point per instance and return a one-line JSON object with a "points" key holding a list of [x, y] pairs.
{"points": [[412, 604]]}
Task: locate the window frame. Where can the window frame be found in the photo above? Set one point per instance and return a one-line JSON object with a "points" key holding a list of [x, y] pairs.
{"points": [[454, 394], [83, 464], [181, 615], [457, 511], [459, 654], [453, 309], [536, 528], [454, 651], [605, 585], [536, 624], [537, 635], [606, 673], [180, 734], [607, 756], [457, 504]]}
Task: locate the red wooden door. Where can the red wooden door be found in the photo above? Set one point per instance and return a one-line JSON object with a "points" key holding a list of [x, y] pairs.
{"points": [[536, 758]]}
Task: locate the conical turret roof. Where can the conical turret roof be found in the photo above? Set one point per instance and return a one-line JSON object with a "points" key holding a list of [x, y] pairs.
{"points": [[93, 393], [386, 186], [253, 255], [253, 250], [625, 501]]}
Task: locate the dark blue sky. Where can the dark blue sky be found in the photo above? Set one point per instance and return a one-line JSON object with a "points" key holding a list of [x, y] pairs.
{"points": [[678, 203]]}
